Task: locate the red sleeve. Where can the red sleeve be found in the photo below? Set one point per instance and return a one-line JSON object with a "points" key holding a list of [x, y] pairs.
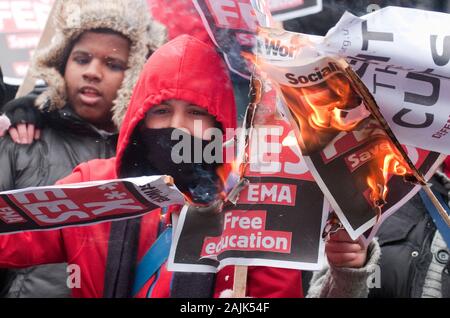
{"points": [[77, 175], [31, 248], [97, 169], [45, 247]]}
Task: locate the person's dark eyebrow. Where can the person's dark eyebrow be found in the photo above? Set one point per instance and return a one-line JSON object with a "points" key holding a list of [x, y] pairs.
{"points": [[81, 52], [196, 106], [106, 58]]}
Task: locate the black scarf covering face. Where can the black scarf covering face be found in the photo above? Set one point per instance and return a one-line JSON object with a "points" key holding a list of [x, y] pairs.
{"points": [[189, 160]]}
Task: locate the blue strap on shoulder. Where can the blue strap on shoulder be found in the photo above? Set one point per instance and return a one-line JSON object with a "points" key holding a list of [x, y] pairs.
{"points": [[437, 219], [153, 260]]}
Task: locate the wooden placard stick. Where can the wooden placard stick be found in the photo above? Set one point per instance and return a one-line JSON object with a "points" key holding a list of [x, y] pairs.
{"points": [[437, 204], [240, 271], [240, 281]]}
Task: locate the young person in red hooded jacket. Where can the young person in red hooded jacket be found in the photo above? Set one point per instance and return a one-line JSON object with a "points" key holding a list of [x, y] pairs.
{"points": [[184, 81]]}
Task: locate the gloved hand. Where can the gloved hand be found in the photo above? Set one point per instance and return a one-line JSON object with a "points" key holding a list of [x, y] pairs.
{"points": [[26, 119], [22, 111]]}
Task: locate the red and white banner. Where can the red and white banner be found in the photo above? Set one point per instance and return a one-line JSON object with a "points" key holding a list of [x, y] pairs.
{"points": [[51, 207]]}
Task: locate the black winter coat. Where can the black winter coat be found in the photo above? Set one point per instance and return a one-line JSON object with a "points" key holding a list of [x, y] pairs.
{"points": [[405, 239], [7, 92], [65, 142]]}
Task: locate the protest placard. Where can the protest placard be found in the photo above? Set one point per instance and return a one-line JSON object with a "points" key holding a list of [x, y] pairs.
{"points": [[354, 157], [51, 207], [21, 26], [412, 90]]}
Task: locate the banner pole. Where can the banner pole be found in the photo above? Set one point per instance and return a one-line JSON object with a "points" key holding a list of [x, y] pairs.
{"points": [[47, 34], [437, 204], [240, 281]]}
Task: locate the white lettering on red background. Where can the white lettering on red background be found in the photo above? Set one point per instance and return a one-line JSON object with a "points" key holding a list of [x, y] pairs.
{"points": [[245, 231], [269, 193], [53, 206], [233, 14], [9, 216]]}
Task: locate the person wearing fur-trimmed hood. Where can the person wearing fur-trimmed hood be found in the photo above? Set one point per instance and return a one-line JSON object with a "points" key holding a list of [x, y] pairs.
{"points": [[90, 69]]}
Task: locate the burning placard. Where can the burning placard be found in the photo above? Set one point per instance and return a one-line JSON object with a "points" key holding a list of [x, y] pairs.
{"points": [[284, 48], [277, 216], [52, 207], [346, 143]]}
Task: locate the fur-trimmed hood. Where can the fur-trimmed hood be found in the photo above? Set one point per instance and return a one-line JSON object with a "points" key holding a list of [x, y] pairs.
{"points": [[74, 17]]}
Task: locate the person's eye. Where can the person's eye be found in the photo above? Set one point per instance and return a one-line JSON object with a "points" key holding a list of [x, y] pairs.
{"points": [[199, 112], [159, 111], [82, 60], [115, 66]]}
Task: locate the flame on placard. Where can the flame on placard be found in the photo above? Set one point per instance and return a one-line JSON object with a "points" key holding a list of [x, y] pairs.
{"points": [[229, 175], [330, 107], [325, 103], [387, 163], [324, 108]]}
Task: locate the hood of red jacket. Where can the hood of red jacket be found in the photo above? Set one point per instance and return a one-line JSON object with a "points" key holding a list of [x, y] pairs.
{"points": [[186, 69]]}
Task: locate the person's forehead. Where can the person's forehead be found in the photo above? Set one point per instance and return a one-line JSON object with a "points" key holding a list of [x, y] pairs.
{"points": [[180, 103], [102, 43]]}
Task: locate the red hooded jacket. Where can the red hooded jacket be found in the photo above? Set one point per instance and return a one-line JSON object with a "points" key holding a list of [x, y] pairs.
{"points": [[181, 69]]}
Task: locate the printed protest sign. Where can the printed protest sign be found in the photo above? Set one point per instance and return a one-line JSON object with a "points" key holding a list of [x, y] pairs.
{"points": [[286, 232], [405, 65], [352, 156], [232, 27], [21, 26], [51, 207], [412, 90]]}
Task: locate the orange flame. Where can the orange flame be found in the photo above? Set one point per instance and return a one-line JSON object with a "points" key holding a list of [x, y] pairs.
{"points": [[229, 175], [319, 110], [390, 163], [325, 102]]}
